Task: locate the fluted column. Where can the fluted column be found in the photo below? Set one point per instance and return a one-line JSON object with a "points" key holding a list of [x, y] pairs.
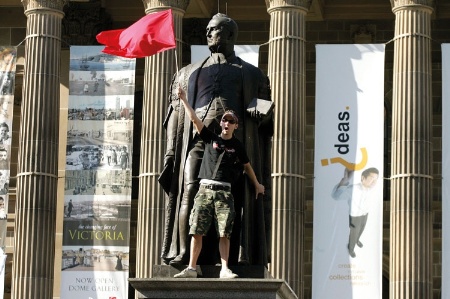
{"points": [[159, 70], [287, 77], [34, 243], [411, 162]]}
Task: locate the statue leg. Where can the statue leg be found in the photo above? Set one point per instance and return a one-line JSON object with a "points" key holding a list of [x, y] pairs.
{"points": [[191, 184]]}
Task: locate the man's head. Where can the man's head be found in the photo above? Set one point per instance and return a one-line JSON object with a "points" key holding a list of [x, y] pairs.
{"points": [[229, 123], [369, 177], [3, 154], [4, 129], [221, 34]]}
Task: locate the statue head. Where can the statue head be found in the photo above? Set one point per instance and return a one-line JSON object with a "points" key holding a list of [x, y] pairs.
{"points": [[221, 34]]}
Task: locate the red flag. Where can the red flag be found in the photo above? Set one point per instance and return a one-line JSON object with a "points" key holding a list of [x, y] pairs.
{"points": [[150, 35]]}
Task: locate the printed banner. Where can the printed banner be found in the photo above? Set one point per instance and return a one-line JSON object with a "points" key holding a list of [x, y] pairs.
{"points": [[95, 258], [7, 79], [348, 172], [445, 169], [248, 53]]}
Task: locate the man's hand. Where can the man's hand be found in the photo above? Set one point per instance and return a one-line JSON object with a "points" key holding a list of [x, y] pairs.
{"points": [[259, 190], [348, 175]]}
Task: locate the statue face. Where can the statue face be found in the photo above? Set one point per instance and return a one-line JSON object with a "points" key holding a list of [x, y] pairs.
{"points": [[217, 36]]}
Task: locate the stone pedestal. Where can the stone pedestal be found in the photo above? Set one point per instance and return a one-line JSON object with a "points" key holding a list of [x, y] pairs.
{"points": [[211, 288], [253, 282]]}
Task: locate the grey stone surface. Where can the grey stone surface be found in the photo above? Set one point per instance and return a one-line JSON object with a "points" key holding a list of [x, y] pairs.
{"points": [[211, 288]]}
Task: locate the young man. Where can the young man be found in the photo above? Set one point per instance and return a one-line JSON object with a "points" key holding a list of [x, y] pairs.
{"points": [[359, 197], [214, 198]]}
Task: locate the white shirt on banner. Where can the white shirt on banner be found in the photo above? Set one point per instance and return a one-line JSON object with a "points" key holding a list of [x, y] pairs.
{"points": [[359, 198]]}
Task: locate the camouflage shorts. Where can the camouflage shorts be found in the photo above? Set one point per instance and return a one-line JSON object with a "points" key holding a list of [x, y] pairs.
{"points": [[209, 205]]}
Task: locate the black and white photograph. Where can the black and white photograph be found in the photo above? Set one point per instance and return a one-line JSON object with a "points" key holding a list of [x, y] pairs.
{"points": [[99, 83], [98, 182], [5, 154], [95, 258], [107, 157], [6, 107], [92, 59], [98, 133], [118, 107], [98, 208], [4, 182]]}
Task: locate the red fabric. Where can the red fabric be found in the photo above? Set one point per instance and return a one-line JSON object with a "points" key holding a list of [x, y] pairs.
{"points": [[150, 35]]}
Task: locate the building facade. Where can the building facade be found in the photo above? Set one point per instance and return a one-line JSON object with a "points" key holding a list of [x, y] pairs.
{"points": [[412, 30]]}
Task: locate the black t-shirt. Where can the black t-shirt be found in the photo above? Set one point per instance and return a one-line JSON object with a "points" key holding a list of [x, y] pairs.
{"points": [[233, 157]]}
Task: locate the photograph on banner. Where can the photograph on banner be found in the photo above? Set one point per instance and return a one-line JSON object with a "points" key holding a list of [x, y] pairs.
{"points": [[6, 107], [348, 172], [114, 132], [95, 258], [5, 132], [90, 58], [3, 206], [96, 220], [94, 272], [5, 156], [4, 181], [98, 182], [99, 157], [117, 107], [100, 83], [7, 59]]}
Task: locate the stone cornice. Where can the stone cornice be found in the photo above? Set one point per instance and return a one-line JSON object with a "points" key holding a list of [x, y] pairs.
{"points": [[274, 4], [400, 3], [44, 4], [154, 5]]}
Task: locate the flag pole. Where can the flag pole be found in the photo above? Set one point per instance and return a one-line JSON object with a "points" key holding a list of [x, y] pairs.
{"points": [[176, 61]]}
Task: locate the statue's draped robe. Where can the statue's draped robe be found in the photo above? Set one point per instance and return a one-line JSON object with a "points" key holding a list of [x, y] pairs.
{"points": [[250, 242]]}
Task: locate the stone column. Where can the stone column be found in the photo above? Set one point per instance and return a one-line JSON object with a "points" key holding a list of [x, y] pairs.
{"points": [[159, 70], [287, 77], [411, 162], [34, 242]]}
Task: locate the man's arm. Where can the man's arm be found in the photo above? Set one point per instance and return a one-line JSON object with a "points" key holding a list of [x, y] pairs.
{"points": [[259, 189], [198, 124]]}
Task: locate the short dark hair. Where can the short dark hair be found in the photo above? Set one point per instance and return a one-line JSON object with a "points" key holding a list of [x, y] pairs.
{"points": [[368, 171]]}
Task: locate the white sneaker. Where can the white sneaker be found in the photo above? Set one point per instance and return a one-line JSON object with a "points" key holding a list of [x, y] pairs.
{"points": [[227, 273], [186, 273]]}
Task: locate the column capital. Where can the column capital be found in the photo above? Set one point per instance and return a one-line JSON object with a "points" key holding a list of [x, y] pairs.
{"points": [[157, 5], [44, 4], [276, 4], [399, 4]]}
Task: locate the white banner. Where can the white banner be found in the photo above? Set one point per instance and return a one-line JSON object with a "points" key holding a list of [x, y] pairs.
{"points": [[348, 172], [95, 257], [248, 53], [445, 169]]}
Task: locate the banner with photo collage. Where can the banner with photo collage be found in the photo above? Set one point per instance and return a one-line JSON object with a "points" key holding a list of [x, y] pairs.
{"points": [[348, 172], [8, 56], [97, 201]]}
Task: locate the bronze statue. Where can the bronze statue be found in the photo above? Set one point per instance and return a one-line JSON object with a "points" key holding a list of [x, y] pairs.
{"points": [[220, 82]]}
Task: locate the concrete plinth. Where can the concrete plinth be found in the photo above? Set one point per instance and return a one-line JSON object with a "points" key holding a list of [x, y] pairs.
{"points": [[212, 288]]}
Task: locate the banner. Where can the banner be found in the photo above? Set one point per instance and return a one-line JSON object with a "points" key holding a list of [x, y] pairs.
{"points": [[248, 53], [95, 258], [348, 172], [8, 56], [445, 169]]}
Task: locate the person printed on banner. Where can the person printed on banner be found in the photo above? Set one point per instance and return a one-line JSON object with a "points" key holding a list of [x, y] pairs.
{"points": [[4, 163], [124, 157], [4, 133], [359, 196], [3, 213]]}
